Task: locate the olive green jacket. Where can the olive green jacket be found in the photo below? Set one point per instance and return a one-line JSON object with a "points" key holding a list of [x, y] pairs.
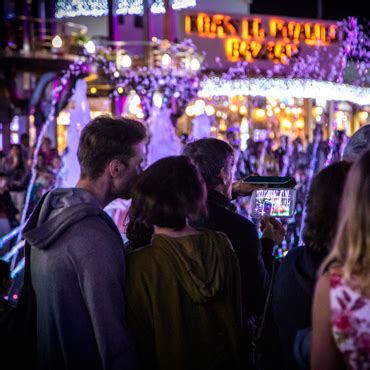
{"points": [[183, 303]]}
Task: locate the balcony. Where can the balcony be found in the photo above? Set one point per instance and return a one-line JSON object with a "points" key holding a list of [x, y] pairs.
{"points": [[34, 44]]}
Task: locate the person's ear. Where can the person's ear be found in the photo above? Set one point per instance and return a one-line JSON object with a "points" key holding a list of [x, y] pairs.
{"points": [[222, 176], [116, 168]]}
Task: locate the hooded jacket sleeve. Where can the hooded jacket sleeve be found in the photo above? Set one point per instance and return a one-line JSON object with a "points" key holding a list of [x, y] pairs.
{"points": [[100, 270]]}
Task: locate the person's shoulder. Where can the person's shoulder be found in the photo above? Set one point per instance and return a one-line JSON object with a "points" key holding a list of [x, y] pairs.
{"points": [[229, 217], [294, 253], [143, 255]]}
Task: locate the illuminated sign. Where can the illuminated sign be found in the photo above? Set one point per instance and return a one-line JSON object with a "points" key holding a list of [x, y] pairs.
{"points": [[263, 38]]}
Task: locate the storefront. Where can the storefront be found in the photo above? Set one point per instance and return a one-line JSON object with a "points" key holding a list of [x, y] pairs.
{"points": [[282, 77]]}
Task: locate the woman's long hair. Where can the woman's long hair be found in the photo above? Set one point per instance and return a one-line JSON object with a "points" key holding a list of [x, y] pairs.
{"points": [[351, 250], [322, 205]]}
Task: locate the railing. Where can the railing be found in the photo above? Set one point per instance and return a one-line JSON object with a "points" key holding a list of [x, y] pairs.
{"points": [[180, 58], [26, 36]]}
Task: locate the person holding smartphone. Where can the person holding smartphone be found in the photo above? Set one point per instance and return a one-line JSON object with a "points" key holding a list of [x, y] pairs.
{"points": [[216, 161]]}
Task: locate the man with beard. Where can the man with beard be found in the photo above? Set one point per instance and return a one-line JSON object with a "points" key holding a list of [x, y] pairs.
{"points": [[77, 257]]}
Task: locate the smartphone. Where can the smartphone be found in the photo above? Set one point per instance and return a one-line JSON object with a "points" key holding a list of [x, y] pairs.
{"points": [[273, 202], [272, 181]]}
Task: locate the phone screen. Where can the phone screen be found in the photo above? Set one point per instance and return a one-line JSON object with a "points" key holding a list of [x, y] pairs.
{"points": [[273, 202]]}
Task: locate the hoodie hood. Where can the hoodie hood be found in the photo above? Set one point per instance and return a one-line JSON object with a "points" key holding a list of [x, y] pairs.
{"points": [[198, 261], [56, 211]]}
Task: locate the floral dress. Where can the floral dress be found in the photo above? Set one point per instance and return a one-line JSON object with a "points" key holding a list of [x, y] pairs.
{"points": [[350, 323]]}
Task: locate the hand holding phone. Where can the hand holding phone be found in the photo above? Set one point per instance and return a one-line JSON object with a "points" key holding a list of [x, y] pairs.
{"points": [[242, 188], [272, 229]]}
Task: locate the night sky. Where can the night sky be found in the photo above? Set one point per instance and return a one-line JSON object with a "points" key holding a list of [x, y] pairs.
{"points": [[332, 9]]}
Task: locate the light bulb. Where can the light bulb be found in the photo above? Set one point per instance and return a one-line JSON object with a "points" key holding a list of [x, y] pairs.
{"points": [[195, 65], [126, 61], [57, 42], [90, 47], [166, 60]]}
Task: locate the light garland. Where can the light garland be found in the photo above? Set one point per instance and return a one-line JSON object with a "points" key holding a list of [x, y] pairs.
{"points": [[183, 4], [279, 87], [130, 7], [96, 8], [75, 8], [158, 7]]}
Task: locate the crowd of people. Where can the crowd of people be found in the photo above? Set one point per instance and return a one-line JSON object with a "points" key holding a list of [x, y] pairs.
{"points": [[197, 285], [15, 175]]}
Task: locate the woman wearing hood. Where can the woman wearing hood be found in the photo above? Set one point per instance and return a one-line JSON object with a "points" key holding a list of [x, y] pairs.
{"points": [[183, 289]]}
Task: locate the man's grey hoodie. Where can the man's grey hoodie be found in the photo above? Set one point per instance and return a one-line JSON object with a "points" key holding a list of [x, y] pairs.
{"points": [[77, 271]]}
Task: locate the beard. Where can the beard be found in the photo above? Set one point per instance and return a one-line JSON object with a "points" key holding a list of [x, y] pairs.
{"points": [[123, 190]]}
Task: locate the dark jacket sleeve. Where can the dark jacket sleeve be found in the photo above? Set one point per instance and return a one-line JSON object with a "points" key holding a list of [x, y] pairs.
{"points": [[254, 275]]}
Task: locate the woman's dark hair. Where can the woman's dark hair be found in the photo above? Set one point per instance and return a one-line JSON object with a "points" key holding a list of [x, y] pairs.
{"points": [[323, 203], [168, 193], [107, 138], [210, 155]]}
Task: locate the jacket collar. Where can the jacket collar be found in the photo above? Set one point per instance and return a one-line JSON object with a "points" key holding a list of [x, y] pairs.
{"points": [[216, 198]]}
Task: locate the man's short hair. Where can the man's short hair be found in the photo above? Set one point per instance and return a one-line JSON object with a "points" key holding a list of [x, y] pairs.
{"points": [[107, 138], [210, 155]]}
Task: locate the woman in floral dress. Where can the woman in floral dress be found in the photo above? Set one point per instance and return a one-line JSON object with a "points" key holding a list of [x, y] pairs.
{"points": [[341, 312]]}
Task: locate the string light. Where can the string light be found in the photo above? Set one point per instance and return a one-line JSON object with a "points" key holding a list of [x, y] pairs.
{"points": [[158, 7], [96, 8], [132, 7], [75, 8], [298, 88], [183, 4]]}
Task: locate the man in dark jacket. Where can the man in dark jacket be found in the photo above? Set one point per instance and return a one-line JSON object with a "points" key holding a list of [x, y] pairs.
{"points": [[215, 159], [77, 257]]}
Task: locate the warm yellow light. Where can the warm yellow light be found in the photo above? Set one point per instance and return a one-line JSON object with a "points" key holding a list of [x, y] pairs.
{"points": [[363, 116], [318, 110], [93, 90], [287, 110], [120, 90], [260, 113], [299, 123], [286, 123], [190, 110], [210, 110], [233, 107], [57, 42], [299, 110], [340, 114], [243, 110], [273, 103], [277, 110], [282, 105], [63, 118], [269, 113], [268, 106], [223, 126]]}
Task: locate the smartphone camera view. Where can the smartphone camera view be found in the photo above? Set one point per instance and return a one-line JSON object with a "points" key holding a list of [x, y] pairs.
{"points": [[273, 202]]}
